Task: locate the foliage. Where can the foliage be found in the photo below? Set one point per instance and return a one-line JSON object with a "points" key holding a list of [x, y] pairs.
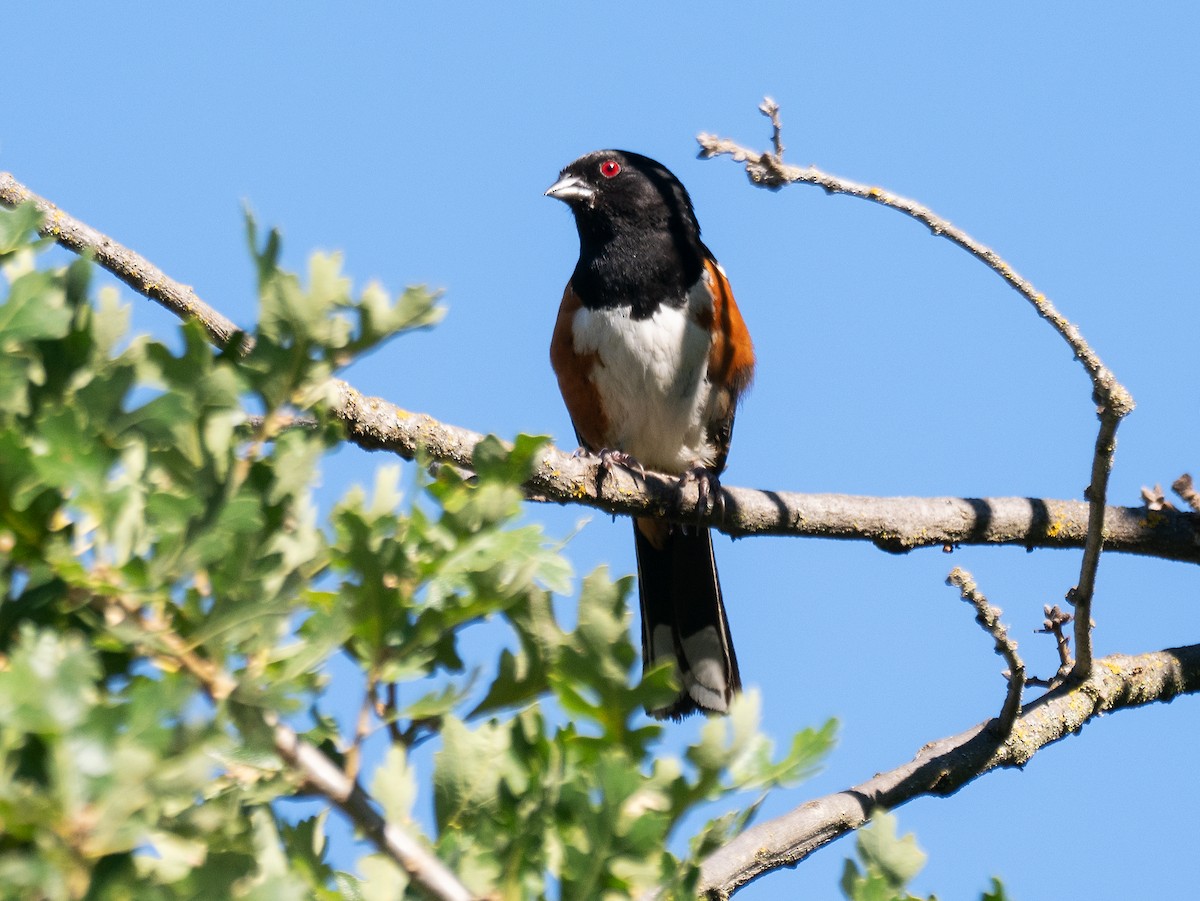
{"points": [[167, 589]]}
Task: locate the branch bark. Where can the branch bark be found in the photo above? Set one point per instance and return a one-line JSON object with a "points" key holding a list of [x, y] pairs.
{"points": [[943, 767]]}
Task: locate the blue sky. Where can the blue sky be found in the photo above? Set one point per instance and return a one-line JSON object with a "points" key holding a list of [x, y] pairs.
{"points": [[418, 140]]}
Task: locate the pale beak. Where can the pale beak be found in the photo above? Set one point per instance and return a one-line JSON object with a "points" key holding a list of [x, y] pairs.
{"points": [[571, 189]]}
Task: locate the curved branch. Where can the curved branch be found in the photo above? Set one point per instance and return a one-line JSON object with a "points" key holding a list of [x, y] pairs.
{"points": [[1113, 401], [893, 524], [943, 767]]}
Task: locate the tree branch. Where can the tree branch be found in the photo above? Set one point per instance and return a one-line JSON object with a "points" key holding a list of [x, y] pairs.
{"points": [[1113, 401], [896, 525], [943, 767]]}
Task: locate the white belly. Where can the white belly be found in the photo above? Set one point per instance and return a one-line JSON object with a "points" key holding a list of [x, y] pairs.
{"points": [[653, 381]]}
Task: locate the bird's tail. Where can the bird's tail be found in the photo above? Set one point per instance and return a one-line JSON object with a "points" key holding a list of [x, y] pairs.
{"points": [[683, 617]]}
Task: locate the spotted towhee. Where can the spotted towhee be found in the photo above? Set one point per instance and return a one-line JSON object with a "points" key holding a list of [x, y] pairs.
{"points": [[652, 355]]}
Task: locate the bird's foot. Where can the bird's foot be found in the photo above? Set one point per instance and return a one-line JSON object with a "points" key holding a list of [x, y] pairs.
{"points": [[708, 490], [609, 459]]}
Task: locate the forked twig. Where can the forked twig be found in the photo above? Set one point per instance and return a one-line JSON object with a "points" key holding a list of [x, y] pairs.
{"points": [[944, 766]]}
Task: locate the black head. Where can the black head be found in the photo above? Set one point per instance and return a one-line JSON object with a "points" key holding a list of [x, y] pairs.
{"points": [[639, 241], [611, 190]]}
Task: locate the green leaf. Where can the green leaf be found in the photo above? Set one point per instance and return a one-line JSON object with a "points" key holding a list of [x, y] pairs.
{"points": [[896, 858], [996, 892], [267, 259], [35, 310], [514, 465], [18, 227], [48, 687], [395, 786], [382, 879], [467, 771]]}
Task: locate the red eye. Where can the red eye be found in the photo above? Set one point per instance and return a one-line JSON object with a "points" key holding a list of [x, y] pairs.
{"points": [[609, 168]]}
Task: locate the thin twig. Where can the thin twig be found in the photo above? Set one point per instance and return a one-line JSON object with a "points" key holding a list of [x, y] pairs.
{"points": [[989, 618], [943, 767], [391, 712], [1113, 401], [160, 640], [281, 423], [1097, 493]]}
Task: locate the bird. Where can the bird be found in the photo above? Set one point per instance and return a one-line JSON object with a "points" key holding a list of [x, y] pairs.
{"points": [[652, 357]]}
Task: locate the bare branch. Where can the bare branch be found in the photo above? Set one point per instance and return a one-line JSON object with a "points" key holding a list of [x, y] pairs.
{"points": [[943, 767], [1113, 401], [989, 617]]}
